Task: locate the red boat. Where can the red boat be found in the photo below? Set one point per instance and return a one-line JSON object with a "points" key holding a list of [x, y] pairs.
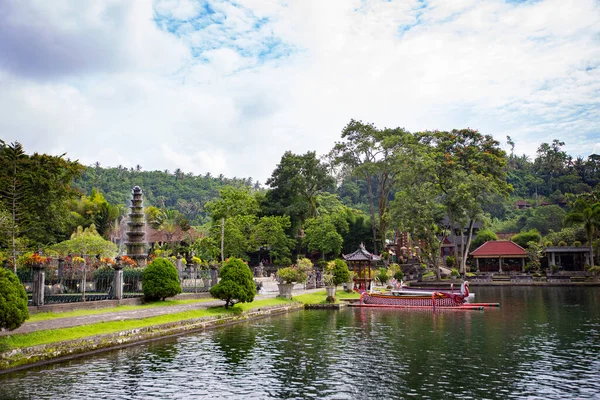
{"points": [[404, 298]]}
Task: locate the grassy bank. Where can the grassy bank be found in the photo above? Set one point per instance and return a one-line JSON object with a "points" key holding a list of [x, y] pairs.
{"points": [[58, 335], [44, 316], [320, 297]]}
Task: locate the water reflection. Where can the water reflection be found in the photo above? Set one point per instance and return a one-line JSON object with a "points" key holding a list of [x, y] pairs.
{"points": [[542, 343]]}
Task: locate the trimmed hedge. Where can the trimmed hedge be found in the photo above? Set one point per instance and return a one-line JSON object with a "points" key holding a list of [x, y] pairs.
{"points": [[160, 280], [13, 301]]}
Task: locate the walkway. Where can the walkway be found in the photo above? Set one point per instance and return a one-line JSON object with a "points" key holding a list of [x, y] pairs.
{"points": [[58, 323]]}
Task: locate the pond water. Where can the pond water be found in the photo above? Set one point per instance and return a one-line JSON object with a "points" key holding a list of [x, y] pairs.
{"points": [[543, 343]]}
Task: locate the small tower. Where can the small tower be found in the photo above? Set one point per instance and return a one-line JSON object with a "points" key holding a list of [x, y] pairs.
{"points": [[136, 228]]}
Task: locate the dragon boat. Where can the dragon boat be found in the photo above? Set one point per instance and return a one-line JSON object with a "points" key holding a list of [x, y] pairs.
{"points": [[413, 298], [402, 290]]}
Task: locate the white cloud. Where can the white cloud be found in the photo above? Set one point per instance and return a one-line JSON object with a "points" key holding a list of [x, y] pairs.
{"points": [[266, 77]]}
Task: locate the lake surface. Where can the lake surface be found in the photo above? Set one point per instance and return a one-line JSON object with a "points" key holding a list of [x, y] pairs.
{"points": [[543, 343]]}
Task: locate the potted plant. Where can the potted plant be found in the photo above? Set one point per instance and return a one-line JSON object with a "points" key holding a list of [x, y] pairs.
{"points": [[350, 283], [339, 269], [454, 274], [289, 276]]}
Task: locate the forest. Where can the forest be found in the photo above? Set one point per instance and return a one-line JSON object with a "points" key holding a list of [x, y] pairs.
{"points": [[374, 183]]}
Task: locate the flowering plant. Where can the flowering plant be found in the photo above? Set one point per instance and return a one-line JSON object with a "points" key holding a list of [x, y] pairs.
{"points": [[35, 258], [107, 262], [78, 261], [128, 261]]}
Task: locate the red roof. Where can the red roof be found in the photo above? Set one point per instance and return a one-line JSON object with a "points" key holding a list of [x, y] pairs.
{"points": [[497, 248]]}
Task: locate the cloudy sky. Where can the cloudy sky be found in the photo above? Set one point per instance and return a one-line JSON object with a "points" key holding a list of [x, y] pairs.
{"points": [[228, 86]]}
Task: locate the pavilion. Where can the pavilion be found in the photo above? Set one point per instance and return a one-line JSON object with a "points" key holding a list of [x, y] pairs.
{"points": [[360, 263], [499, 256]]}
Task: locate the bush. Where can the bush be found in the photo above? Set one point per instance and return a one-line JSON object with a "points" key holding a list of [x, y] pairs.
{"points": [[577, 243], [454, 272], [382, 275], [562, 244], [399, 275], [523, 238], [237, 283], [13, 301], [160, 280], [450, 261], [340, 271], [482, 236]]}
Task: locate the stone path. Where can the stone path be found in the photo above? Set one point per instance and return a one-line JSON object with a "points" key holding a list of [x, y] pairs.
{"points": [[57, 323]]}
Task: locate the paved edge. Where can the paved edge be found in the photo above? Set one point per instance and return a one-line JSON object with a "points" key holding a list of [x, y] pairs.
{"points": [[28, 357]]}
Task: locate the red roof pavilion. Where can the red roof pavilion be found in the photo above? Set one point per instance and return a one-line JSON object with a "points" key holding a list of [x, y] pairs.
{"points": [[506, 251], [499, 248]]}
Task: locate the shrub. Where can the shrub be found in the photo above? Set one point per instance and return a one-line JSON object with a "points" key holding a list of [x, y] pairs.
{"points": [[382, 275], [450, 261], [160, 280], [548, 244], [340, 271], [562, 244], [577, 243], [399, 275], [523, 238], [454, 272], [237, 283], [13, 301], [482, 236]]}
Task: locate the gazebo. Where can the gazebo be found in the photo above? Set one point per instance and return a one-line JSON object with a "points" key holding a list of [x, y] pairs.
{"points": [[499, 255], [360, 263]]}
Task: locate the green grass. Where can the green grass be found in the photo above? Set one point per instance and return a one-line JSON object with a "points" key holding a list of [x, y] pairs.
{"points": [[44, 316], [319, 297], [77, 332]]}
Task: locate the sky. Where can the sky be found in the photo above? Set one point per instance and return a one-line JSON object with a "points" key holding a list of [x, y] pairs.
{"points": [[226, 87]]}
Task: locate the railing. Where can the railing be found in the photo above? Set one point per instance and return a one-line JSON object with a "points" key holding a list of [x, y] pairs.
{"points": [[195, 280], [66, 281]]}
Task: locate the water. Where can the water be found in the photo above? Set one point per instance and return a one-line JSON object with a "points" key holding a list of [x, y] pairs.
{"points": [[543, 343]]}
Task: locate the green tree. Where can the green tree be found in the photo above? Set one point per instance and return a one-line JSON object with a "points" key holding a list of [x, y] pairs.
{"points": [[524, 238], [484, 235], [588, 216], [236, 283], [320, 235], [546, 219], [270, 231], [160, 280], [13, 301], [371, 154], [36, 190], [295, 183], [87, 241], [469, 168]]}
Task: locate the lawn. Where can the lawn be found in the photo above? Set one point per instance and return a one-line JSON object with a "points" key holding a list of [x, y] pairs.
{"points": [[44, 316], [319, 297], [77, 332]]}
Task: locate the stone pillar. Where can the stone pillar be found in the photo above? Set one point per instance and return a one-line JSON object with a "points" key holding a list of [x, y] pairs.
{"points": [[179, 265], [61, 270], [552, 259], [38, 284], [214, 275], [118, 280], [477, 263], [500, 264], [522, 265]]}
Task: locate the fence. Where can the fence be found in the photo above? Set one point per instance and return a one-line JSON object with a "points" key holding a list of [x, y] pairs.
{"points": [[78, 279]]}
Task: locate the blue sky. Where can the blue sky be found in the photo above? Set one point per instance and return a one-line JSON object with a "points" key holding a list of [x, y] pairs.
{"points": [[228, 86]]}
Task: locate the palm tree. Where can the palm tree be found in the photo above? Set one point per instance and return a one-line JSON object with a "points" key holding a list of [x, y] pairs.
{"points": [[588, 215]]}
